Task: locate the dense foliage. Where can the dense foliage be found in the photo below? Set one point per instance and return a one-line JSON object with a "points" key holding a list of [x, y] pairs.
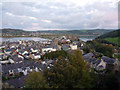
{"points": [[115, 33], [36, 80], [93, 32], [70, 74], [106, 50], [115, 40], [111, 37], [55, 54]]}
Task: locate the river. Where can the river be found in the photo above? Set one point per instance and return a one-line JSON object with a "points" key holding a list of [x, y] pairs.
{"points": [[23, 38], [86, 39], [35, 39]]}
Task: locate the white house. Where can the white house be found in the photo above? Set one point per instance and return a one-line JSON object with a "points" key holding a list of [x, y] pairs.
{"points": [[36, 69], [11, 72], [49, 49], [25, 52], [82, 45], [19, 70], [2, 46], [28, 69], [11, 61], [34, 50], [73, 47], [36, 56], [20, 42], [12, 47], [4, 62], [24, 72], [20, 56], [101, 65], [68, 40], [63, 37], [43, 62]]}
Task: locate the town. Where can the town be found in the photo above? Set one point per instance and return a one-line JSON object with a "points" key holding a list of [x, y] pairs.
{"points": [[19, 58]]}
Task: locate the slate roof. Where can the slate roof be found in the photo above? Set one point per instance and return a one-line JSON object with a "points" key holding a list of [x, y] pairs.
{"points": [[97, 62], [46, 46], [108, 60], [6, 68], [50, 61], [16, 58], [89, 55], [17, 82], [90, 59], [37, 54], [10, 43], [31, 64]]}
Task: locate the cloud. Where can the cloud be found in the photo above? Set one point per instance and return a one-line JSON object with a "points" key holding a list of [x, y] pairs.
{"points": [[33, 18], [10, 14], [46, 21], [60, 14]]}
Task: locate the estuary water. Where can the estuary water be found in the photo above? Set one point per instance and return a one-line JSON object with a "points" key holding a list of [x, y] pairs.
{"points": [[86, 39], [35, 39], [23, 38]]}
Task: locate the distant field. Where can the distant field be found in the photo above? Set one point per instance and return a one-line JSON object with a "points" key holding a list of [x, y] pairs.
{"points": [[117, 56], [84, 30], [115, 40]]}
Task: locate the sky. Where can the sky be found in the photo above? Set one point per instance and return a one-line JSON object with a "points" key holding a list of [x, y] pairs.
{"points": [[60, 14]]}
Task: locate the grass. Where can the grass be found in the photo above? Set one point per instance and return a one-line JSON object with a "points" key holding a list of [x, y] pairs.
{"points": [[84, 30], [117, 56], [115, 40]]}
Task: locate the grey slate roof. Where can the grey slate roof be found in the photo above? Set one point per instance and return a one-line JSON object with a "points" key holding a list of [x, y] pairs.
{"points": [[108, 60], [6, 68], [17, 82], [90, 59], [89, 55]]}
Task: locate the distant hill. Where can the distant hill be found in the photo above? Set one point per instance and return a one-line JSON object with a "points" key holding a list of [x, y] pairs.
{"points": [[115, 33], [79, 32], [93, 32], [13, 31], [112, 37]]}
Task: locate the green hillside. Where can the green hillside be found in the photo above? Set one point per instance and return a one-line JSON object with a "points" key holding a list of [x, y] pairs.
{"points": [[92, 32], [115, 40], [111, 37], [115, 33]]}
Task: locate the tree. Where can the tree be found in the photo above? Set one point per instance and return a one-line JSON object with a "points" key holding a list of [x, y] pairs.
{"points": [[109, 81], [83, 75], [6, 85], [73, 73], [61, 75], [55, 54], [36, 80], [107, 50], [86, 49]]}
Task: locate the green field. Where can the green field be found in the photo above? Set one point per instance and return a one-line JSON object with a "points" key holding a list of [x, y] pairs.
{"points": [[117, 56], [115, 40], [84, 30]]}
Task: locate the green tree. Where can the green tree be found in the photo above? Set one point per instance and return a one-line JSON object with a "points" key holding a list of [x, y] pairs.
{"points": [[61, 75], [83, 75], [55, 54], [70, 74], [110, 81], [6, 85], [107, 50], [36, 80]]}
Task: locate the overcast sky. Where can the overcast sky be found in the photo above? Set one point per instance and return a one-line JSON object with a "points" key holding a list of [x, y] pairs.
{"points": [[60, 14]]}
